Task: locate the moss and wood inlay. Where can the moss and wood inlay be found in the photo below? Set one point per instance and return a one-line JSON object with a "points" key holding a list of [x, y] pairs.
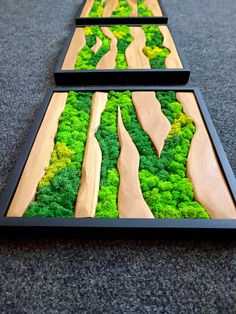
{"points": [[107, 162], [122, 47], [121, 8]]}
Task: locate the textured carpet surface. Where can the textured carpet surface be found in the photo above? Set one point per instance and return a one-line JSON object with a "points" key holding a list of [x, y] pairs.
{"points": [[79, 276]]}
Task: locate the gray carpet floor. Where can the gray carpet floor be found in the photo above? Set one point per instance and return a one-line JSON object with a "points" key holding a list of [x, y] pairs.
{"points": [[81, 276]]}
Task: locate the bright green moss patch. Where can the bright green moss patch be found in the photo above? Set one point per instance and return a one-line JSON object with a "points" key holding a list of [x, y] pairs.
{"points": [[58, 188], [142, 9], [122, 33], [97, 8], [87, 59], [154, 50], [122, 10]]}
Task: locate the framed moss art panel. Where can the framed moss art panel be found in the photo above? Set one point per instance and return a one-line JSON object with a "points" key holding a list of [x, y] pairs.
{"points": [[135, 161], [120, 54]]}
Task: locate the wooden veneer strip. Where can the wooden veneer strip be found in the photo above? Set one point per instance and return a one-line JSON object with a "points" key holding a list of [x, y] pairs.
{"points": [[77, 43], [134, 53], [108, 61], [154, 6], [203, 168], [97, 46], [39, 157], [87, 8], [134, 6], [131, 203], [88, 192], [151, 118], [172, 61], [110, 6]]}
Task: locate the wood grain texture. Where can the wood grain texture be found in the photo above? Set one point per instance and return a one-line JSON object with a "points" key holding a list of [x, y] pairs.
{"points": [[110, 6], [39, 157], [97, 46], [203, 168], [88, 192], [87, 8], [108, 61], [172, 61], [131, 203], [77, 43], [134, 53], [133, 5], [151, 118], [154, 6]]}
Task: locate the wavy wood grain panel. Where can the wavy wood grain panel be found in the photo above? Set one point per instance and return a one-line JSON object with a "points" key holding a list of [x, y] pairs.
{"points": [[151, 118], [131, 203], [88, 192], [110, 6], [108, 61], [87, 8], [97, 46], [203, 168], [77, 43], [133, 5], [39, 157], [154, 6], [134, 53], [172, 61]]}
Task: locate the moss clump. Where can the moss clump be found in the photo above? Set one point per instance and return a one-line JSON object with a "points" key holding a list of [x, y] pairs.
{"points": [[97, 8], [108, 140], [142, 9], [57, 191], [122, 10], [164, 184], [122, 33], [154, 50], [87, 59]]}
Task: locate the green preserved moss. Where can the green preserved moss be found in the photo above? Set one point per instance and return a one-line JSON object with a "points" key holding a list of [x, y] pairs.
{"points": [[154, 50], [97, 8], [142, 9], [122, 10], [87, 59], [164, 184], [107, 137], [122, 33], [57, 191]]}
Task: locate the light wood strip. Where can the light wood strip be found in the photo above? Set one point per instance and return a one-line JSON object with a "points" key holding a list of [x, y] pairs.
{"points": [[97, 46], [39, 157], [172, 61], [133, 5], [154, 6], [88, 192], [203, 168], [131, 203], [77, 43], [87, 8], [134, 53], [110, 6], [151, 118], [108, 61]]}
